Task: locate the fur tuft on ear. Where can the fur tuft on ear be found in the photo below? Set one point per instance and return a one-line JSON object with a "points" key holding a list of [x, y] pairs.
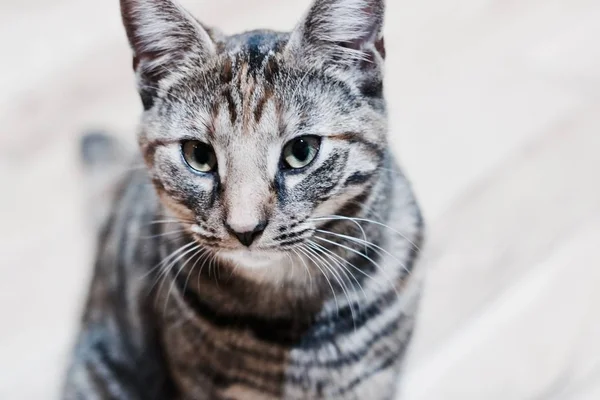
{"points": [[164, 38], [342, 31]]}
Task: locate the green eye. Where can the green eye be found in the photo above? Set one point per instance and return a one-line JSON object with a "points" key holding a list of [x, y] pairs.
{"points": [[199, 156], [300, 152]]}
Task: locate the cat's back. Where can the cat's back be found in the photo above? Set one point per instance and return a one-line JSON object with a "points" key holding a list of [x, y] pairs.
{"points": [[118, 327]]}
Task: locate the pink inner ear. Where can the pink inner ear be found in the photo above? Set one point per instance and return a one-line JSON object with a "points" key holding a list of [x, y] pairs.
{"points": [[369, 55], [370, 34]]}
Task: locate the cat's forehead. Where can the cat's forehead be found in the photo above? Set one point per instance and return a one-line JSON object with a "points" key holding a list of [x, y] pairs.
{"points": [[254, 47], [251, 90]]}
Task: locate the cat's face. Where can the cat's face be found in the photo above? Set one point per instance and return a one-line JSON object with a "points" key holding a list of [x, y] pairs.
{"points": [[250, 138]]}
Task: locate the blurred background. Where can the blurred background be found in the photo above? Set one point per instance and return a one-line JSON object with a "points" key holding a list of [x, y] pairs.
{"points": [[495, 115]]}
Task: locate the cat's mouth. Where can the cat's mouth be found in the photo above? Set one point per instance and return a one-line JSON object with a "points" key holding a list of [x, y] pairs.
{"points": [[254, 259], [240, 257]]}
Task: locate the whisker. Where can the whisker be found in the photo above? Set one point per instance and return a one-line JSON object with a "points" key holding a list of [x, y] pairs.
{"points": [[166, 268], [291, 261], [345, 261], [174, 279], [166, 259], [331, 254], [306, 267], [335, 275], [162, 234], [211, 265], [369, 244], [344, 288], [303, 249], [328, 266], [200, 253], [235, 267], [204, 258], [371, 222], [171, 221], [345, 219], [365, 257]]}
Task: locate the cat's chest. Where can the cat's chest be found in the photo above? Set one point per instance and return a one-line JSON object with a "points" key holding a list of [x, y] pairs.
{"points": [[217, 362]]}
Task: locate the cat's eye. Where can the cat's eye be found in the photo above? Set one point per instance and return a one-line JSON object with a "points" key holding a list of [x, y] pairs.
{"points": [[300, 152], [199, 156]]}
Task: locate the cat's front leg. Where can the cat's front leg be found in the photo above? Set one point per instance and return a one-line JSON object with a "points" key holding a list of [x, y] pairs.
{"points": [[104, 366]]}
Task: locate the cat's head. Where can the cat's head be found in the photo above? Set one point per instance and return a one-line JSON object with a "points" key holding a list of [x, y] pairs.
{"points": [[248, 138]]}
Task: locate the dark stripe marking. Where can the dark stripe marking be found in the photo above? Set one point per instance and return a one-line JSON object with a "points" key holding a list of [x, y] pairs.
{"points": [[258, 110], [358, 178], [230, 105]]}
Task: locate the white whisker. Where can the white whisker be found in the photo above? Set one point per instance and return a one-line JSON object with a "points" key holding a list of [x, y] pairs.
{"points": [[303, 250], [371, 222], [306, 267], [325, 264], [166, 259], [345, 219], [350, 304], [200, 254], [165, 269], [369, 244], [365, 257], [163, 234], [181, 268], [340, 262]]}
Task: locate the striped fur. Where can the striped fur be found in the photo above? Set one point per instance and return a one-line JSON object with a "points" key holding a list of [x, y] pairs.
{"points": [[322, 305]]}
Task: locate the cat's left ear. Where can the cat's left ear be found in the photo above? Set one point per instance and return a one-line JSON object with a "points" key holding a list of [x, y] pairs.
{"points": [[165, 39], [344, 32]]}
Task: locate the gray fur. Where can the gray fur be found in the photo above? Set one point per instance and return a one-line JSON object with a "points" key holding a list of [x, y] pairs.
{"points": [[322, 304]]}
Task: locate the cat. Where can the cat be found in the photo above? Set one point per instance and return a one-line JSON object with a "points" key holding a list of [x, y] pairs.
{"points": [[267, 249]]}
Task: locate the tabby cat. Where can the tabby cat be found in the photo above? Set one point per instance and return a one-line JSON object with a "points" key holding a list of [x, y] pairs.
{"points": [[266, 249]]}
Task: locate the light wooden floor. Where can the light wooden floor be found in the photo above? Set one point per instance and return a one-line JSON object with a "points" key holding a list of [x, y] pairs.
{"points": [[495, 108]]}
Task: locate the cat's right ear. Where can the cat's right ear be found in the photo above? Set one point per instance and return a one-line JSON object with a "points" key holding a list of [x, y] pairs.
{"points": [[165, 40], [341, 32]]}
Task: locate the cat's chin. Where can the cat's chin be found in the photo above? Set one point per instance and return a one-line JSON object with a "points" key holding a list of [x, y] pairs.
{"points": [[252, 259]]}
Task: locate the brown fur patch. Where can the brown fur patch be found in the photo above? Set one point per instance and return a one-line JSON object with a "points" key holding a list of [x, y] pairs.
{"points": [[247, 88], [149, 149], [227, 72], [230, 105], [258, 110], [271, 69]]}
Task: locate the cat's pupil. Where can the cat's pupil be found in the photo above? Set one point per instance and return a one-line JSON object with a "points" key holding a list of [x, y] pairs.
{"points": [[301, 150], [201, 154]]}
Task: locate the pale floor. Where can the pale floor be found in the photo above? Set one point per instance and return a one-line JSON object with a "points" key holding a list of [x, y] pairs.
{"points": [[495, 108]]}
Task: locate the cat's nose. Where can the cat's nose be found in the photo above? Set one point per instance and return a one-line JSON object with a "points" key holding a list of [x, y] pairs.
{"points": [[247, 237]]}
